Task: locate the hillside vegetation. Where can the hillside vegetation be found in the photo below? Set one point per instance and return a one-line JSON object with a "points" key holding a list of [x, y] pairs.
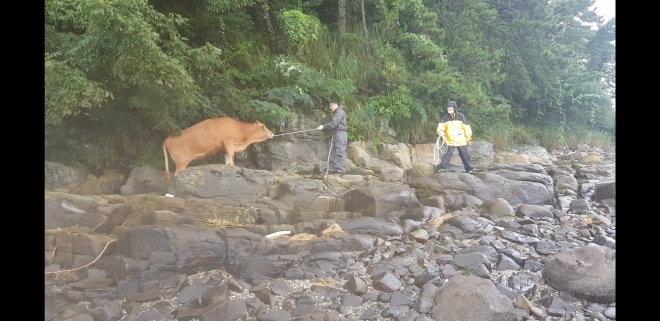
{"points": [[121, 75]]}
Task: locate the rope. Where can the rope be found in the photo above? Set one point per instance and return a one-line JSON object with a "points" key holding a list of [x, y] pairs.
{"points": [[84, 266], [439, 148], [300, 131]]}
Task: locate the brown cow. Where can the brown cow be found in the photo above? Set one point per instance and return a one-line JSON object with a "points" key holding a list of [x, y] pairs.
{"points": [[210, 137]]}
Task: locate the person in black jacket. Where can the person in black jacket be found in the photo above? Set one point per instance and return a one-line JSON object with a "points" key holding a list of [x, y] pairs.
{"points": [[458, 133], [338, 127]]}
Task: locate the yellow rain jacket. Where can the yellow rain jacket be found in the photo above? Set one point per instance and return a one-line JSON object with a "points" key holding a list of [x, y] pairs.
{"points": [[456, 129]]}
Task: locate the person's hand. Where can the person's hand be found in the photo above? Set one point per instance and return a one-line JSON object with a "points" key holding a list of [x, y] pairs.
{"points": [[320, 127], [469, 142]]}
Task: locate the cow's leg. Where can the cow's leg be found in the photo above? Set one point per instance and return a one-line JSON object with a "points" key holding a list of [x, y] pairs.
{"points": [[229, 154], [182, 165]]}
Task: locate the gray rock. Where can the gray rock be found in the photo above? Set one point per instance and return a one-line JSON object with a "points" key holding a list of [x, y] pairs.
{"points": [[486, 250], [350, 300], [380, 199], [145, 180], [526, 210], [546, 247], [281, 287], [426, 298], [208, 181], [587, 272], [423, 213], [277, 315], [466, 260], [356, 285], [371, 226], [448, 271], [466, 224], [605, 241], [605, 188], [471, 298], [304, 305], [519, 238], [386, 282], [62, 177], [610, 313], [498, 207], [505, 263]]}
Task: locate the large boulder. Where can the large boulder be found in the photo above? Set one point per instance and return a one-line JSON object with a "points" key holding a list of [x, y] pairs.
{"points": [[605, 188], [379, 199], [208, 181], [361, 158], [588, 273], [300, 194], [145, 180], [63, 178], [471, 298], [109, 182], [299, 154], [483, 186], [371, 226]]}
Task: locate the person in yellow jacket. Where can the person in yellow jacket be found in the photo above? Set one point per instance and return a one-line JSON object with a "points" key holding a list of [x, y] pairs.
{"points": [[458, 133]]}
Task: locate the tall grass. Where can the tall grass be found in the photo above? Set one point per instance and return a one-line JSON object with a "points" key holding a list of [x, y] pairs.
{"points": [[503, 136]]}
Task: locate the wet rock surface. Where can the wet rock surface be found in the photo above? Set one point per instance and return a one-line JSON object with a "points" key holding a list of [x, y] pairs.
{"points": [[516, 241]]}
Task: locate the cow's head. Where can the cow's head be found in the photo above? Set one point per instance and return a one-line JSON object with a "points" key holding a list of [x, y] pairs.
{"points": [[263, 129]]}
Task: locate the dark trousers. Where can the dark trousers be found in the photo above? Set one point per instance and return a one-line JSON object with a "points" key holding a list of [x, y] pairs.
{"points": [[337, 161], [463, 153]]}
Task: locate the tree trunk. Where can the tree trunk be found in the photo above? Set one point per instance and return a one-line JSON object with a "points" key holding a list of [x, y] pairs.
{"points": [[366, 31], [341, 17], [266, 8]]}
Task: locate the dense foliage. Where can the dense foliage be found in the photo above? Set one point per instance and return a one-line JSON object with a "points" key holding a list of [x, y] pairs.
{"points": [[121, 75]]}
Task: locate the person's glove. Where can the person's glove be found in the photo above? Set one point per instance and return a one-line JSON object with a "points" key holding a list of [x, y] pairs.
{"points": [[320, 127]]}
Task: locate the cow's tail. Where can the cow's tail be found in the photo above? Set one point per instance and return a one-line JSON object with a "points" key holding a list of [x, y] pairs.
{"points": [[167, 167]]}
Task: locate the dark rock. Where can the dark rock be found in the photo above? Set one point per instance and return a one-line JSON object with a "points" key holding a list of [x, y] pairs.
{"points": [[448, 271], [277, 315], [386, 282], [425, 301], [486, 250], [356, 285], [372, 226], [147, 296], [526, 210], [505, 263], [380, 199], [479, 300], [533, 266], [304, 306], [326, 291], [605, 241], [425, 278], [546, 247], [265, 295], [519, 238], [193, 292], [281, 287], [465, 260], [605, 189], [507, 291], [107, 312], [370, 314], [217, 293], [349, 300], [466, 224], [294, 273], [398, 298], [587, 272]]}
